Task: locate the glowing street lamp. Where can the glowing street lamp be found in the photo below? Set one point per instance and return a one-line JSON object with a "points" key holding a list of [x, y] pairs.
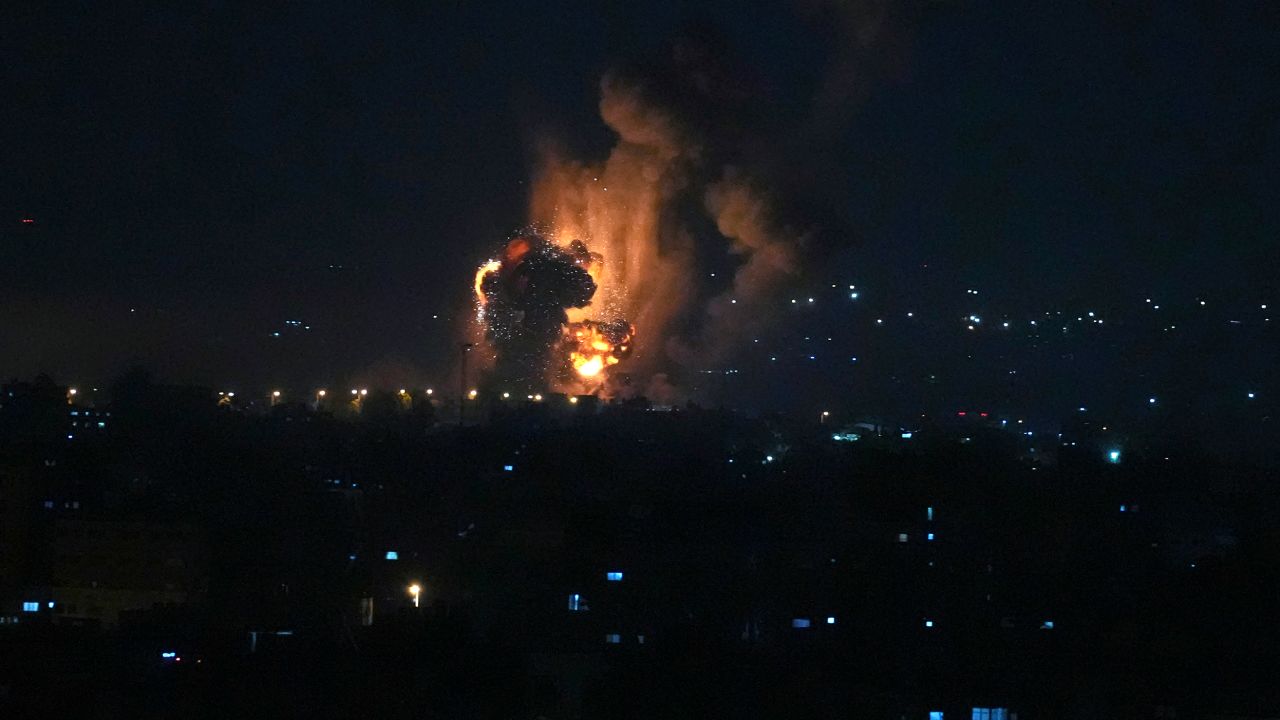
{"points": [[416, 591], [320, 393], [275, 396], [823, 419], [473, 393]]}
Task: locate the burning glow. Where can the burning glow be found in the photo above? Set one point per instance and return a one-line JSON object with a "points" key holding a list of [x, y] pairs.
{"points": [[490, 267], [595, 346]]}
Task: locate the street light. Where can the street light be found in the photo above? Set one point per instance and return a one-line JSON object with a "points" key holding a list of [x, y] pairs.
{"points": [[823, 419], [416, 591], [320, 393]]}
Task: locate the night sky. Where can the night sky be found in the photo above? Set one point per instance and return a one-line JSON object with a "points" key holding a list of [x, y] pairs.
{"points": [[199, 175]]}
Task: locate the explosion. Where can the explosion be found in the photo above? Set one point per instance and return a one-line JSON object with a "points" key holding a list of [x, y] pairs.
{"points": [[524, 300], [595, 346]]}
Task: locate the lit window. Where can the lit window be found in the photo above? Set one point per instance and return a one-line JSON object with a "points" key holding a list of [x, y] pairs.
{"points": [[168, 654], [928, 623], [800, 622], [935, 715], [1046, 625], [906, 436], [1113, 457], [831, 620], [928, 513], [902, 537], [640, 639], [393, 555], [1123, 508], [50, 604], [508, 468], [990, 713], [614, 576], [30, 607], [613, 638], [576, 604], [48, 504], [929, 537]]}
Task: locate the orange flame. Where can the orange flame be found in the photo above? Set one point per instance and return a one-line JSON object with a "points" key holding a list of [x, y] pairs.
{"points": [[490, 267], [595, 346]]}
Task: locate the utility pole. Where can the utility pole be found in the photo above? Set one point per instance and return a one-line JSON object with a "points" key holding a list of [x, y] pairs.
{"points": [[462, 383]]}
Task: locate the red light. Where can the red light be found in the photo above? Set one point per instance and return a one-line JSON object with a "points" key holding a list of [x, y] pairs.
{"points": [[961, 413], [28, 221], [982, 414]]}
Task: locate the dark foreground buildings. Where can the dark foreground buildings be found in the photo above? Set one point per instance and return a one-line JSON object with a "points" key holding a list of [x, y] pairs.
{"points": [[193, 558]]}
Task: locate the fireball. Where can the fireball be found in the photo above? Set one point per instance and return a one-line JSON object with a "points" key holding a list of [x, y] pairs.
{"points": [[524, 300]]}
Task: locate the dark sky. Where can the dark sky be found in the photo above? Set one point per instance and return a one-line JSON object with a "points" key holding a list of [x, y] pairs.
{"points": [[198, 175]]}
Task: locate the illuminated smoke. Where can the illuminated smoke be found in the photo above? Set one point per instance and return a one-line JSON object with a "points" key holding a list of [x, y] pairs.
{"points": [[619, 207], [700, 145]]}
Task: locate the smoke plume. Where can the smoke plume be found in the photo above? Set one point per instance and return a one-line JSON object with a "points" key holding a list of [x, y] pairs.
{"points": [[702, 166]]}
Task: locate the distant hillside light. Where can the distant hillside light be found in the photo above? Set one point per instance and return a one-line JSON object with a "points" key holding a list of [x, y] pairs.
{"points": [[613, 576], [1113, 456]]}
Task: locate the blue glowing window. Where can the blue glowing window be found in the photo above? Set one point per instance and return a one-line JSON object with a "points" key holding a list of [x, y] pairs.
{"points": [[614, 576], [168, 654], [929, 537], [800, 622], [989, 713], [928, 513], [575, 603], [906, 436], [928, 623], [613, 638], [30, 607], [508, 468], [935, 715], [1046, 625], [831, 620], [1123, 508], [393, 555]]}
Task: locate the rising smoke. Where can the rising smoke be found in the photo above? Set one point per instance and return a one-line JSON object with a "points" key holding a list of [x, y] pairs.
{"points": [[698, 146]]}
